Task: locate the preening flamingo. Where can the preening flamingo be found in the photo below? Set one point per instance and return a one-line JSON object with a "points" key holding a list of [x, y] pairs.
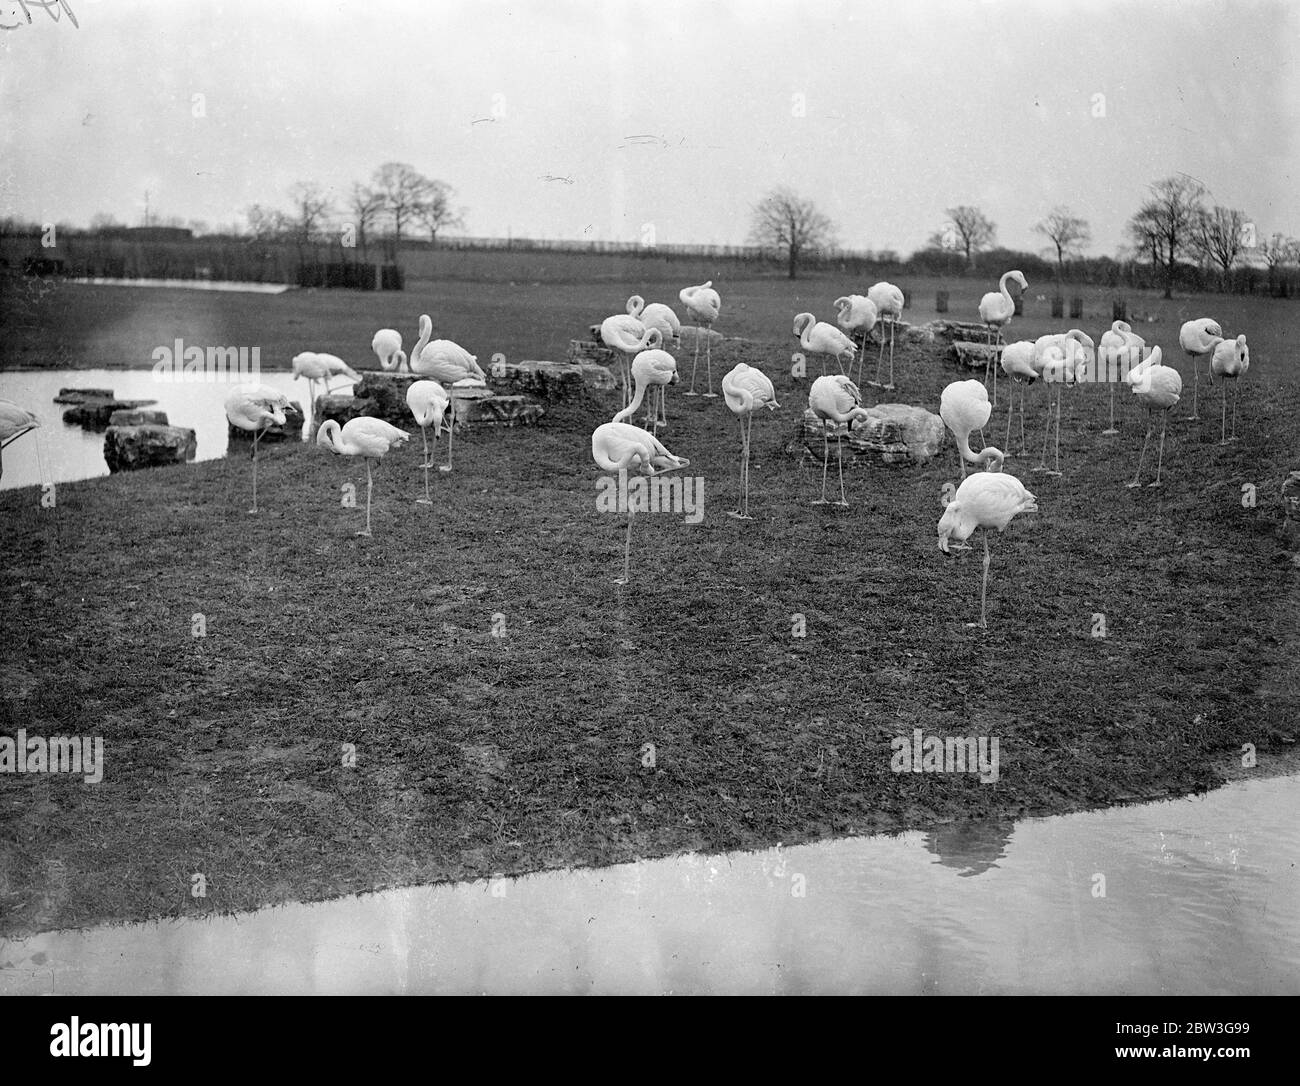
{"points": [[16, 421], [987, 500], [626, 335], [1060, 368], [1018, 364], [654, 369], [656, 315], [964, 406], [835, 399], [317, 367], [1119, 350], [1157, 387], [254, 408], [387, 346], [1199, 338], [619, 446], [336, 367], [888, 300], [747, 389], [996, 310], [819, 337], [446, 362], [428, 402], [365, 437], [1231, 359], [703, 304], [857, 313]]}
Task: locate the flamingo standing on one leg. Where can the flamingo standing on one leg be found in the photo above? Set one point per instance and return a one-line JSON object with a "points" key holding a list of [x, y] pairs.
{"points": [[428, 402], [996, 310], [835, 399], [1018, 364], [619, 446], [1231, 359], [746, 389], [987, 500], [254, 408], [818, 337], [1119, 343], [857, 313], [703, 304], [888, 300], [1158, 387], [387, 346], [365, 437], [652, 369], [1059, 368], [14, 422], [964, 406], [656, 315], [1199, 338]]}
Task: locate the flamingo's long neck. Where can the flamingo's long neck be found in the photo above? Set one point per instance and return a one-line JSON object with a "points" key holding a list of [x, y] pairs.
{"points": [[426, 330], [1002, 286], [631, 408]]}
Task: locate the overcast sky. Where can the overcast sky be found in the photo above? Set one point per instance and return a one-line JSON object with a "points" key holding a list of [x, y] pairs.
{"points": [[591, 118]]}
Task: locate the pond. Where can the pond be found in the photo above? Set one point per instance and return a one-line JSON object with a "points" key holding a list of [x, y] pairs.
{"points": [[65, 452], [1191, 896]]}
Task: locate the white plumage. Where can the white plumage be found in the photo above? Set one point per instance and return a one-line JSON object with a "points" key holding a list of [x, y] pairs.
{"points": [[254, 408], [746, 390], [368, 438], [1231, 360], [996, 310], [857, 313], [387, 346], [1158, 388], [14, 422], [428, 402], [445, 361], [656, 315], [654, 369], [964, 407], [624, 333], [835, 399], [703, 304], [1199, 338], [888, 300], [821, 338]]}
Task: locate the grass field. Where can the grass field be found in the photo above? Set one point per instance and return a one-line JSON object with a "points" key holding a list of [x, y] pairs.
{"points": [[478, 754]]}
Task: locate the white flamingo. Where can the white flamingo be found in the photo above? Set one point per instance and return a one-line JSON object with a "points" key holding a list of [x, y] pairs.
{"points": [[1199, 338], [654, 369], [1018, 364], [703, 304], [835, 399], [428, 402], [888, 300], [365, 437], [620, 446], [857, 313], [254, 408], [626, 335], [1060, 368], [656, 315], [818, 337], [1158, 388], [16, 421], [996, 310], [747, 389], [387, 346], [446, 362], [1120, 349], [1231, 360], [964, 407], [987, 500]]}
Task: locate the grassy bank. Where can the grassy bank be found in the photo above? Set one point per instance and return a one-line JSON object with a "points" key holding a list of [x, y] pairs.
{"points": [[478, 754]]}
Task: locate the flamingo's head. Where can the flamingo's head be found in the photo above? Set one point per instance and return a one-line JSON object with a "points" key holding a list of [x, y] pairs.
{"points": [[950, 525], [1019, 278], [802, 321]]}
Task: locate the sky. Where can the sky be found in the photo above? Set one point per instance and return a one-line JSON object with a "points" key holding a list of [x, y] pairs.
{"points": [[664, 120]]}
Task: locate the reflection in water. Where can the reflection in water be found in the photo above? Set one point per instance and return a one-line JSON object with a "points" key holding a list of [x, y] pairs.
{"points": [[1193, 896]]}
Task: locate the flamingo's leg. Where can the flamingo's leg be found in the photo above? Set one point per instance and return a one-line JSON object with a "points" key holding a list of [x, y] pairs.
{"points": [[1234, 412], [256, 435], [749, 429], [993, 365], [1196, 387], [627, 552], [426, 500], [1160, 462], [1142, 456], [840, 460], [1223, 416], [826, 459], [369, 488], [984, 586], [708, 358], [1023, 449], [695, 364], [451, 431], [891, 384], [1057, 454], [1011, 410]]}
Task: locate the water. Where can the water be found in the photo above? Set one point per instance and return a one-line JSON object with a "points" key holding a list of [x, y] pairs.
{"points": [[68, 452], [1200, 898]]}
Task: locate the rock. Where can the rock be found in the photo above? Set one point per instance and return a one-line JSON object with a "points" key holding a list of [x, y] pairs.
{"points": [[895, 433], [138, 418], [494, 410], [552, 381], [591, 352], [292, 428], [81, 395], [973, 356], [129, 448], [946, 331], [95, 414]]}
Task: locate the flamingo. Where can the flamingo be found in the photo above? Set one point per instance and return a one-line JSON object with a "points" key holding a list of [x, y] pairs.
{"points": [[254, 408], [14, 422], [1018, 364], [964, 406], [1120, 341], [626, 335], [1231, 359], [888, 300], [428, 402], [703, 304], [387, 345], [656, 315], [857, 314], [835, 399], [651, 367], [985, 500], [365, 437], [1157, 387], [446, 362], [1056, 367], [746, 389], [336, 367], [822, 338], [996, 310], [619, 446], [1199, 338]]}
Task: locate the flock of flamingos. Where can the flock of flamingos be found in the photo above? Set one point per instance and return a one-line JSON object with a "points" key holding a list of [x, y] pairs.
{"points": [[987, 498]]}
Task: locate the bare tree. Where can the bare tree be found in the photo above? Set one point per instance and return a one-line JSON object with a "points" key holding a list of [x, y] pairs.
{"points": [[267, 224], [1278, 251], [364, 205], [436, 212], [967, 229], [1166, 223], [311, 209], [404, 190], [1068, 233], [1220, 236], [785, 221]]}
